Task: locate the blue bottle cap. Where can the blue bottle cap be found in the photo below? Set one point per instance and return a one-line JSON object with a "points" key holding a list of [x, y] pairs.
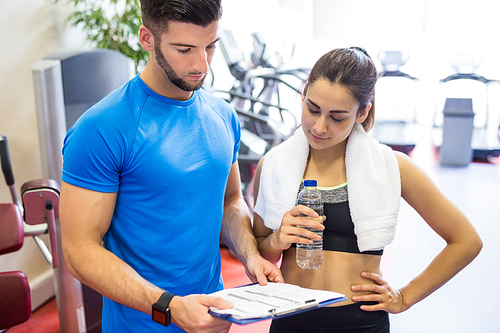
{"points": [[309, 182]]}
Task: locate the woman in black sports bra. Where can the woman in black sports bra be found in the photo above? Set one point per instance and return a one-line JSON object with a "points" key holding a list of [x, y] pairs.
{"points": [[338, 95]]}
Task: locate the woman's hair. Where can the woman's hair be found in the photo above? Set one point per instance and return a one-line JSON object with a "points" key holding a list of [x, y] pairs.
{"points": [[353, 69], [156, 14]]}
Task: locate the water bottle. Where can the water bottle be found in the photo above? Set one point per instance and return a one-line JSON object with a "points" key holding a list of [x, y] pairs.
{"points": [[310, 256]]}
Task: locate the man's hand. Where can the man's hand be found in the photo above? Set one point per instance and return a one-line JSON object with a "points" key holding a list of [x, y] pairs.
{"points": [[191, 313], [260, 270]]}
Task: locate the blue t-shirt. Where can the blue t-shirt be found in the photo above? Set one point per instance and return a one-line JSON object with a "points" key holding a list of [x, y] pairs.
{"points": [[168, 161]]}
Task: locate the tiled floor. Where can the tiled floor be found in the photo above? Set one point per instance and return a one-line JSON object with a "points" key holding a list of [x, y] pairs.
{"points": [[468, 303]]}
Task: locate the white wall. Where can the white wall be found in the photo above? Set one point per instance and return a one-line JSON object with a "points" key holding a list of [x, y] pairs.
{"points": [[431, 31], [283, 23]]}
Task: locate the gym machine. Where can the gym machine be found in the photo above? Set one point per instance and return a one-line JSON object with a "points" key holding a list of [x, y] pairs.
{"points": [[485, 140], [39, 207], [66, 85], [393, 126]]}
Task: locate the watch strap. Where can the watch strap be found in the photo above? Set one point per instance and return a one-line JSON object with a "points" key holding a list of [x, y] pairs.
{"points": [[164, 300]]}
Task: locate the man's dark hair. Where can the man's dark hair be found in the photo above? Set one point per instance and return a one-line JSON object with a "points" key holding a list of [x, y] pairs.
{"points": [[156, 14]]}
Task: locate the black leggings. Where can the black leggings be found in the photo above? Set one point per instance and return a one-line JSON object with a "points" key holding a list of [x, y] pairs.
{"points": [[348, 318]]}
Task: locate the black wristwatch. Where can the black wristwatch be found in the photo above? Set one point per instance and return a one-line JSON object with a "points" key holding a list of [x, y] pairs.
{"points": [[161, 311]]}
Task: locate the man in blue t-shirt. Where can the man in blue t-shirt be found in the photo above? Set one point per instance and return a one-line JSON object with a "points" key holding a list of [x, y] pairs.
{"points": [[151, 180]]}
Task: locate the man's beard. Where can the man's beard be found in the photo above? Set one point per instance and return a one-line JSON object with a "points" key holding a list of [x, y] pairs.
{"points": [[170, 73]]}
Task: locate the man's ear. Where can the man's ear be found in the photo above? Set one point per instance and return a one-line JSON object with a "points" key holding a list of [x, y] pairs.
{"points": [[362, 116], [146, 39]]}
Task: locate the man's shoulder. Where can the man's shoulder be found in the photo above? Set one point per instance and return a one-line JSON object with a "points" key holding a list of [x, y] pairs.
{"points": [[118, 104], [219, 105], [214, 100]]}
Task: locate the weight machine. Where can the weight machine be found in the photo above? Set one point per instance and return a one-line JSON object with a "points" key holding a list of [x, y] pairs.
{"points": [[65, 85], [39, 207]]}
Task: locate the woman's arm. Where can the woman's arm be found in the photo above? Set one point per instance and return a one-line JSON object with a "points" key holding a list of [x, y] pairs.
{"points": [[447, 220], [272, 244]]}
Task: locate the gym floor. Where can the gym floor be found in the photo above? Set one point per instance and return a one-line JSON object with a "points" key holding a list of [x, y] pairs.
{"points": [[45, 319], [468, 303]]}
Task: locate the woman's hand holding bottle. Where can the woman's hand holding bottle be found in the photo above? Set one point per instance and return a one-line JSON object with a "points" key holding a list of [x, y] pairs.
{"points": [[291, 230]]}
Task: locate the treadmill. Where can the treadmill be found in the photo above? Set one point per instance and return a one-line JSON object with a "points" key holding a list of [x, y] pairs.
{"points": [[485, 141], [393, 126], [259, 133]]}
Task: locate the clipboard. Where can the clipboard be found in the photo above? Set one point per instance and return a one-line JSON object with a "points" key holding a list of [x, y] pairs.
{"points": [[314, 300]]}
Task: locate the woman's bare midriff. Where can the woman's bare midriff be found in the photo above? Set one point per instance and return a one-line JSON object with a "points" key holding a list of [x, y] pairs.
{"points": [[338, 272]]}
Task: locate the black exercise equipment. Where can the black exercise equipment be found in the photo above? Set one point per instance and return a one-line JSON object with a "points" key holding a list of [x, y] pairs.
{"points": [[255, 97]]}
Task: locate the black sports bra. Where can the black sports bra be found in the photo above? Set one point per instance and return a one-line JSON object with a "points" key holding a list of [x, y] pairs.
{"points": [[339, 230]]}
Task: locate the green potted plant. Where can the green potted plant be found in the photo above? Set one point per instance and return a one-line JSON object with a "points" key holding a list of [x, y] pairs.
{"points": [[111, 24]]}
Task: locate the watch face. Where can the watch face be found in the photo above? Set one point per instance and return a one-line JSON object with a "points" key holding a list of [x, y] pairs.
{"points": [[161, 317]]}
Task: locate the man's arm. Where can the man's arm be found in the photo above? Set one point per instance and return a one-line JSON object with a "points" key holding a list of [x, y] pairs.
{"points": [[85, 217], [238, 235]]}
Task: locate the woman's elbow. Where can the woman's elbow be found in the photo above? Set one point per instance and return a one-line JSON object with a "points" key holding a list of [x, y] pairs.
{"points": [[472, 246], [476, 246]]}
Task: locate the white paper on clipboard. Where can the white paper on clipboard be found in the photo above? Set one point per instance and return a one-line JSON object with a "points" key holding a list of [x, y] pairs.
{"points": [[275, 299]]}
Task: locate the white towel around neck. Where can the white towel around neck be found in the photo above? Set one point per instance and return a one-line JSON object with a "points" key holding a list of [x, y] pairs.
{"points": [[373, 185]]}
